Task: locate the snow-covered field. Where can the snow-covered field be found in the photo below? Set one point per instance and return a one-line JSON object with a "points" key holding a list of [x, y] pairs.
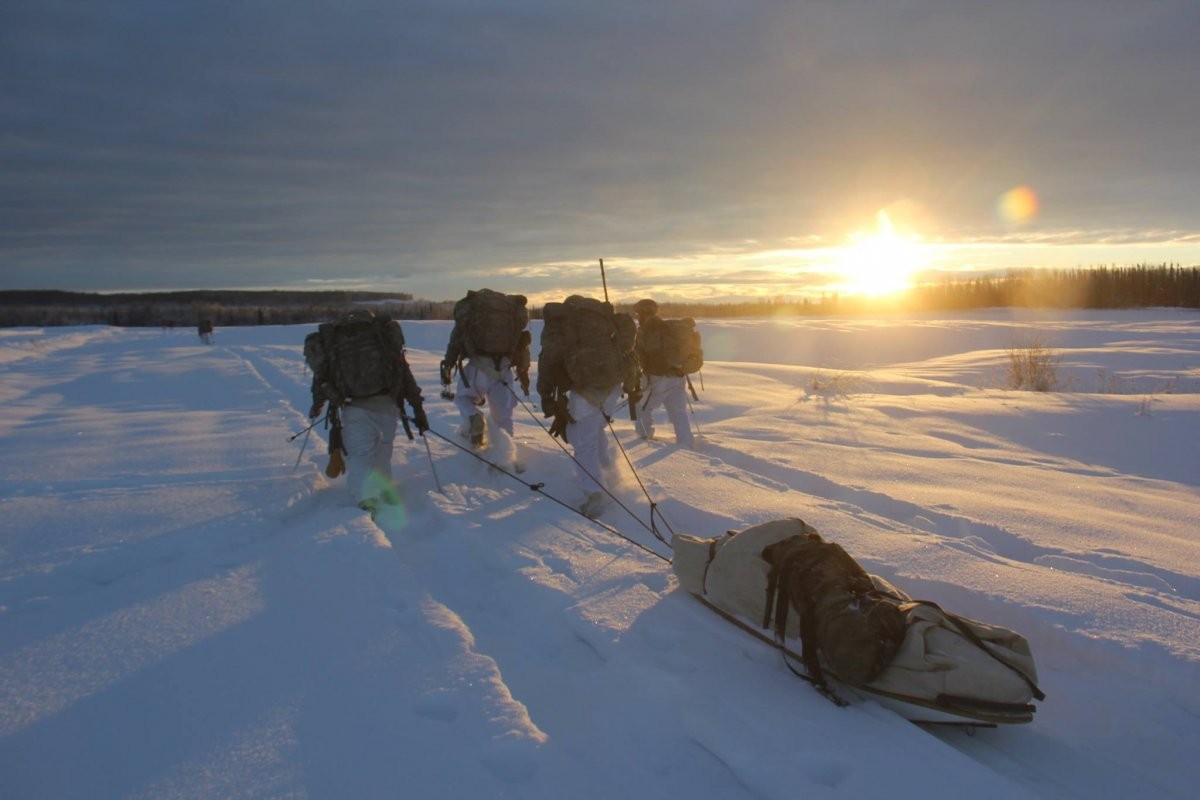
{"points": [[183, 614]]}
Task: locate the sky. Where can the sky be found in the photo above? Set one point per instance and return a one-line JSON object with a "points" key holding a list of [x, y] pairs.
{"points": [[190, 608], [706, 150]]}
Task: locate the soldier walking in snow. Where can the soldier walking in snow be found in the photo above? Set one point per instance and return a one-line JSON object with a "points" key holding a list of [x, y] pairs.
{"points": [[360, 369], [586, 361], [667, 351], [489, 346]]}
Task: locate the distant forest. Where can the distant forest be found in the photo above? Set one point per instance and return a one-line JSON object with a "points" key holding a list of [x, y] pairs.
{"points": [[1139, 286], [225, 307]]}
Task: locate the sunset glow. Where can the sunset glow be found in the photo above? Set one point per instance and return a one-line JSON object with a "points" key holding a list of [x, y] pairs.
{"points": [[881, 261]]}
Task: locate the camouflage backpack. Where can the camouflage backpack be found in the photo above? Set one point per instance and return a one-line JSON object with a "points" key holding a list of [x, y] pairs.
{"points": [[360, 354], [491, 322], [670, 347], [845, 622], [585, 345]]}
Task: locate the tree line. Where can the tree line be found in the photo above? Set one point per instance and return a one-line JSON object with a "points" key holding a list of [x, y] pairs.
{"points": [[189, 308], [1138, 286]]}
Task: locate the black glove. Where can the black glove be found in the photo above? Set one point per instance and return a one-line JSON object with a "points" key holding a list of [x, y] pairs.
{"points": [[559, 426], [446, 367], [635, 397], [315, 410], [547, 405], [420, 419], [561, 418]]}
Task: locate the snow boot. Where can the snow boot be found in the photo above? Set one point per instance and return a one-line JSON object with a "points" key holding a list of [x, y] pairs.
{"points": [[477, 431], [595, 505]]}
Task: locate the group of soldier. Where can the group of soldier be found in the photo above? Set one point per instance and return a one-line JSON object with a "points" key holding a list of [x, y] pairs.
{"points": [[487, 380]]}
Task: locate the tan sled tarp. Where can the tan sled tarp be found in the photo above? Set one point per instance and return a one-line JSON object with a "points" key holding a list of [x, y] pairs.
{"points": [[935, 657]]}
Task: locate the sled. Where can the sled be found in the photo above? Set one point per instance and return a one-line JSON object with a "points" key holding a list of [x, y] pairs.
{"points": [[948, 670]]}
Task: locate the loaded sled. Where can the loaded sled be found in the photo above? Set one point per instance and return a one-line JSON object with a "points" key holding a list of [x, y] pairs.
{"points": [[852, 631]]}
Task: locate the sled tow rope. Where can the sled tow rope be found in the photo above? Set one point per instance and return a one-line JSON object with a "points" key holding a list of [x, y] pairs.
{"points": [[539, 488]]}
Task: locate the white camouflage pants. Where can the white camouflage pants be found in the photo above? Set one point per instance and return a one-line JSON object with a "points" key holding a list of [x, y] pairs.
{"points": [[482, 384], [669, 391], [369, 433], [587, 434]]}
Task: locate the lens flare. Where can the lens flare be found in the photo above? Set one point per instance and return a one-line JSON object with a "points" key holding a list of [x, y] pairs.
{"points": [[1018, 205]]}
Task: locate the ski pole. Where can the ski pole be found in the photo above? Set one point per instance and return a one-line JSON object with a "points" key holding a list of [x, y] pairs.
{"points": [[432, 467], [307, 430], [307, 433], [604, 280]]}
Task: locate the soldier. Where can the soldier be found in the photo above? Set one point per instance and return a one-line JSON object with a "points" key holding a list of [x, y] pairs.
{"points": [[586, 362], [360, 369], [489, 346], [665, 356]]}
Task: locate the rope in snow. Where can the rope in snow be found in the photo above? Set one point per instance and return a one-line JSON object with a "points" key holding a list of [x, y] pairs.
{"points": [[653, 505], [651, 528], [538, 487]]}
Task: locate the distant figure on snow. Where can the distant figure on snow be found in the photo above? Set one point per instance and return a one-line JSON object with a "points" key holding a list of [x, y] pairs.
{"points": [[359, 368], [205, 331]]}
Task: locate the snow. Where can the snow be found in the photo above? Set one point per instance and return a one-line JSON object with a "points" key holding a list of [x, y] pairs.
{"points": [[189, 608]]}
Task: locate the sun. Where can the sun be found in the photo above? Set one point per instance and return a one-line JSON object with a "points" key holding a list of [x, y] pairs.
{"points": [[880, 262]]}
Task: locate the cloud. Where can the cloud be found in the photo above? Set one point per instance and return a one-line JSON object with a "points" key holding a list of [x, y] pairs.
{"points": [[438, 142]]}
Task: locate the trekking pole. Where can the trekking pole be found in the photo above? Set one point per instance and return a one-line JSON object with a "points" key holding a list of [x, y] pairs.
{"points": [[307, 433], [307, 430], [432, 468], [695, 421], [604, 280]]}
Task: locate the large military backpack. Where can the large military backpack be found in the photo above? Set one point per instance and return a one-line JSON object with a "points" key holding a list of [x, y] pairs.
{"points": [[585, 344], [360, 354], [491, 322], [671, 347], [845, 622]]}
